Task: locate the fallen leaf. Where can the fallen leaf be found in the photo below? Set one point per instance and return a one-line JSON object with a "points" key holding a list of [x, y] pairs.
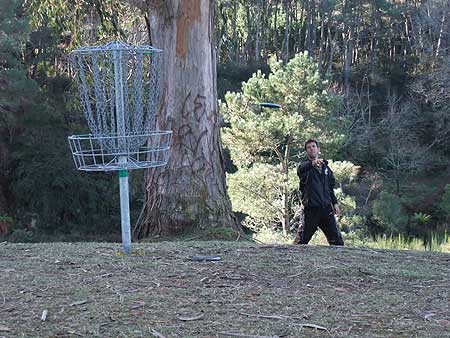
{"points": [[429, 315], [342, 289], [199, 258], [80, 302], [314, 326], [156, 333], [186, 319], [137, 305], [443, 322], [5, 328], [44, 315]]}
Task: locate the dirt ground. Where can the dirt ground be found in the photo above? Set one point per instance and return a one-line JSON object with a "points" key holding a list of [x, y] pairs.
{"points": [[91, 290]]}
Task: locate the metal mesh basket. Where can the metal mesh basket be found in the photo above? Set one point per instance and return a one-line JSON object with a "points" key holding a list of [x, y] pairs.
{"points": [[109, 153], [119, 87]]}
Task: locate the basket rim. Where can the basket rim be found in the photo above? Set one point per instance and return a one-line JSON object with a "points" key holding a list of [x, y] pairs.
{"points": [[116, 46], [91, 136]]}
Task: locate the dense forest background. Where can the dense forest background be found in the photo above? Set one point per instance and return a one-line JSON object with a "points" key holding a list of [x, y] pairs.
{"points": [[370, 82]]}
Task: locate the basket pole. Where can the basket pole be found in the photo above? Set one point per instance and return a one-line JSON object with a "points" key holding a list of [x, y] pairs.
{"points": [[125, 211], [123, 174]]}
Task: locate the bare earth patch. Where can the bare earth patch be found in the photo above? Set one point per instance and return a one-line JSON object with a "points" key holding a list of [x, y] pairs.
{"points": [[91, 290]]}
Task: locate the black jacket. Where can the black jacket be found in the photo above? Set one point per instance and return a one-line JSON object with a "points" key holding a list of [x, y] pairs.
{"points": [[317, 187]]}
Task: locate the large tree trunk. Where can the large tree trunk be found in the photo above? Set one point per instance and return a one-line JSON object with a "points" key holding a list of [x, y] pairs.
{"points": [[191, 190]]}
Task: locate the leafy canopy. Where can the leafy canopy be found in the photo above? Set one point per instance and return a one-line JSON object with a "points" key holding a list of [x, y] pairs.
{"points": [[265, 143], [256, 133]]}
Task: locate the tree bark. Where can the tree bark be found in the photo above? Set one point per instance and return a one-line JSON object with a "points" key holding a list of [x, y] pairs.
{"points": [[275, 31], [285, 48], [234, 28], [191, 190]]}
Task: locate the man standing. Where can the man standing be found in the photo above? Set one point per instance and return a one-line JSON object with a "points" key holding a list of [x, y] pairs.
{"points": [[318, 198]]}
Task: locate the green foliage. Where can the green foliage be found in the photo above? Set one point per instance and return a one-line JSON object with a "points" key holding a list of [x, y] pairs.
{"points": [[79, 22], [13, 28], [269, 235], [344, 171], [352, 222], [6, 219], [402, 242], [33, 121], [421, 218], [265, 143], [260, 134], [20, 235], [444, 205], [231, 75], [220, 233], [18, 93], [387, 210], [257, 192], [347, 203]]}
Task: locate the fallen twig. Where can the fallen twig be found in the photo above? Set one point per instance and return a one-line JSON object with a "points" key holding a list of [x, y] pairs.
{"points": [[428, 316], [156, 333], [186, 319], [76, 333], [80, 302], [101, 325], [314, 326], [192, 238], [295, 275], [234, 334], [264, 316], [137, 305], [103, 276]]}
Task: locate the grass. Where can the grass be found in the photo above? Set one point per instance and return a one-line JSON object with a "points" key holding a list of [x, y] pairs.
{"points": [[91, 290], [399, 242]]}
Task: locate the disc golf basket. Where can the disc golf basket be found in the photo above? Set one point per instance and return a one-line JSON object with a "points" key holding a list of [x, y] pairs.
{"points": [[119, 94]]}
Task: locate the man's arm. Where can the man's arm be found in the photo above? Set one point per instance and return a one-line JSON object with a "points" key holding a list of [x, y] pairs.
{"points": [[304, 167]]}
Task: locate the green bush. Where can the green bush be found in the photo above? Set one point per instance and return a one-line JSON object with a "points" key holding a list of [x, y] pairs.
{"points": [[256, 192], [20, 235], [388, 212], [268, 235], [444, 205], [344, 171]]}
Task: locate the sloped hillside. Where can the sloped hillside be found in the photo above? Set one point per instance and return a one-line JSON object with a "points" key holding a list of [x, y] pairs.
{"points": [[91, 290]]}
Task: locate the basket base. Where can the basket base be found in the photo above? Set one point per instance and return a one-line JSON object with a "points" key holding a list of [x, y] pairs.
{"points": [[113, 153], [125, 166]]}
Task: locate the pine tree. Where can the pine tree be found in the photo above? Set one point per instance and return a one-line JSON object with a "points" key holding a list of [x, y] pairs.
{"points": [[265, 143]]}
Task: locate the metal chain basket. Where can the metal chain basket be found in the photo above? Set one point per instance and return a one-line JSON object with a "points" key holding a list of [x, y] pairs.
{"points": [[103, 153], [119, 94]]}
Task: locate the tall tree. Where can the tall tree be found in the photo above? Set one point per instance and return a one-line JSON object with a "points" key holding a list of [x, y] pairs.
{"points": [[190, 190], [13, 80], [264, 143]]}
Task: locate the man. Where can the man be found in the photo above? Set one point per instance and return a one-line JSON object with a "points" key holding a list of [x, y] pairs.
{"points": [[318, 198]]}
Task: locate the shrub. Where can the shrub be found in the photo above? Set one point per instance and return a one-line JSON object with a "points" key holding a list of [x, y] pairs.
{"points": [[388, 212]]}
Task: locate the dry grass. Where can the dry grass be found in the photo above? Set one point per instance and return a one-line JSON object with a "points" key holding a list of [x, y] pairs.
{"points": [[89, 290]]}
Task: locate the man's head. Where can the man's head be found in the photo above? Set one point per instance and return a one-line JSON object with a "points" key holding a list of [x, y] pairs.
{"points": [[312, 149]]}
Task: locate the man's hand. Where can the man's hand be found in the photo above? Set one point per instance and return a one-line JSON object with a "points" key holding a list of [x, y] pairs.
{"points": [[317, 162], [337, 210]]}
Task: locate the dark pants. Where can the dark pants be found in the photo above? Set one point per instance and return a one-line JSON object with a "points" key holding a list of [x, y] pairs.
{"points": [[325, 220]]}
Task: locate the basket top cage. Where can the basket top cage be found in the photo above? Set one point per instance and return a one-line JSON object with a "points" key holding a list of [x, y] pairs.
{"points": [[116, 46], [119, 87]]}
